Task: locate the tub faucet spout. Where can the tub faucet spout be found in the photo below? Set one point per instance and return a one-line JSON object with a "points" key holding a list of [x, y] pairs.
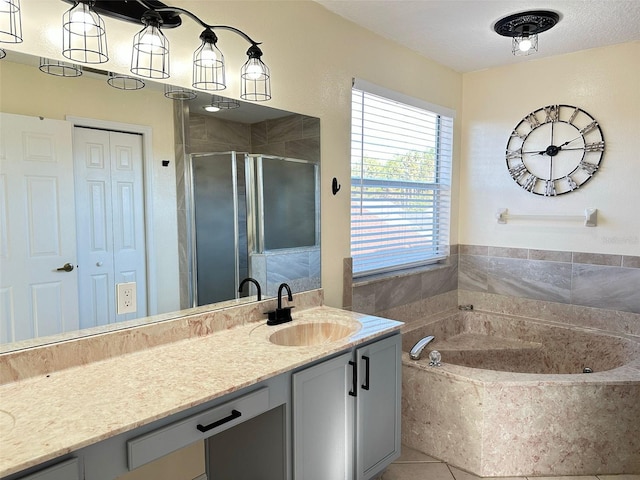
{"points": [[417, 349]]}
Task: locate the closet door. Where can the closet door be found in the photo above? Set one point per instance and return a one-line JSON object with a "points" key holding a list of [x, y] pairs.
{"points": [[110, 214]]}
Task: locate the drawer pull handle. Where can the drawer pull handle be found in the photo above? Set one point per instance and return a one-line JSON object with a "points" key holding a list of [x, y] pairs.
{"points": [[205, 428]]}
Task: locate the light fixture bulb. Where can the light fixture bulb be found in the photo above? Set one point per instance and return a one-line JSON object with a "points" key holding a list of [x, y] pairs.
{"points": [[211, 108], [254, 70], [208, 56], [525, 44], [81, 20], [150, 42]]}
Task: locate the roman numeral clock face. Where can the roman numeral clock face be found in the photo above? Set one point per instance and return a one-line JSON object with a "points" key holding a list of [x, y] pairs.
{"points": [[554, 150]]}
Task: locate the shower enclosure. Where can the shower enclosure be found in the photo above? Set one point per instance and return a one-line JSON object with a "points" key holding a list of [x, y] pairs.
{"points": [[252, 215]]}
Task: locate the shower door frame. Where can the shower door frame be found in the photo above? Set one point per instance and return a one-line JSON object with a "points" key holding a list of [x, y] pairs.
{"points": [[192, 248]]}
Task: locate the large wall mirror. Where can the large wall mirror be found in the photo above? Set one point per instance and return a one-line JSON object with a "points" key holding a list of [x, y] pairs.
{"points": [[121, 206]]}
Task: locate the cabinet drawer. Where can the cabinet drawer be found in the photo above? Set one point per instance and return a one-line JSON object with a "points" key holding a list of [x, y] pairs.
{"points": [[158, 443], [67, 470]]}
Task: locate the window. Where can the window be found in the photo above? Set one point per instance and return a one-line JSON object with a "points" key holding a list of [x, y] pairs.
{"points": [[400, 182]]}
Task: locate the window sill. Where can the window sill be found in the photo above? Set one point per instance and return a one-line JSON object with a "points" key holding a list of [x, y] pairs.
{"points": [[380, 277]]}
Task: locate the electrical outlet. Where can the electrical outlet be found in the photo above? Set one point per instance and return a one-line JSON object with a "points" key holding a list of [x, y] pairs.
{"points": [[126, 298]]}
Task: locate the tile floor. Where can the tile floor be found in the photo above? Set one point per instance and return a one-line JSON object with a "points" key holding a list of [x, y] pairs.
{"points": [[413, 465]]}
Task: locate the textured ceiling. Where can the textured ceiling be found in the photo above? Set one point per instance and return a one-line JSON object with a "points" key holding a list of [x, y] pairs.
{"points": [[459, 33]]}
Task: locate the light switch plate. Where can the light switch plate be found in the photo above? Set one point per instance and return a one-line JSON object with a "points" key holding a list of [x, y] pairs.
{"points": [[126, 298]]}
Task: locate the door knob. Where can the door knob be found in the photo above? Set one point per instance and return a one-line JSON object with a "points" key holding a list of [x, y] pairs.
{"points": [[67, 267]]}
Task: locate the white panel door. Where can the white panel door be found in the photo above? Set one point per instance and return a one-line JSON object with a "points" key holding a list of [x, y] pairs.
{"points": [[110, 214], [37, 228], [127, 190]]}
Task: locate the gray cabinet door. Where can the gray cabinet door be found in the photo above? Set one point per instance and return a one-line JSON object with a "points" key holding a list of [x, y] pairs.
{"points": [[323, 416], [378, 406]]}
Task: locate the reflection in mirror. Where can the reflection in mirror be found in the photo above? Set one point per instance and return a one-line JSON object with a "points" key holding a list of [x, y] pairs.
{"points": [[231, 244], [143, 231]]}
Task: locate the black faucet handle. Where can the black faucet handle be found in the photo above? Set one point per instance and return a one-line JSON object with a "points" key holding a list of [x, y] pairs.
{"points": [[279, 315]]}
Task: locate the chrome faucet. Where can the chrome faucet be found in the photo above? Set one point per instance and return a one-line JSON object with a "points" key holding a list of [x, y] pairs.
{"points": [[255, 282], [416, 351], [280, 314]]}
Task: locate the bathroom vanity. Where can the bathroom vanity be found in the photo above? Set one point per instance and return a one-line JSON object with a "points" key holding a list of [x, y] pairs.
{"points": [[315, 398]]}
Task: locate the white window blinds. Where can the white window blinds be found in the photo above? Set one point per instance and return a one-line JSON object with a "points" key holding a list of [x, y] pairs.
{"points": [[400, 184]]}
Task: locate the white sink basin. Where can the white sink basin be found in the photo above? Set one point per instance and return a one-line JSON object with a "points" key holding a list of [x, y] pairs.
{"points": [[305, 334]]}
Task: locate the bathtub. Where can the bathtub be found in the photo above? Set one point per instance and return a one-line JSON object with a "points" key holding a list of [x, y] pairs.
{"points": [[511, 398]]}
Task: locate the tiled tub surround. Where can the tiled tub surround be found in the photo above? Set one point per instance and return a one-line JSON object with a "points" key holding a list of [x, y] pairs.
{"points": [[610, 282], [493, 421], [597, 281], [89, 390]]}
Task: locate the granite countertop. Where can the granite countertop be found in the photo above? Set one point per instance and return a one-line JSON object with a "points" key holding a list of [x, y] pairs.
{"points": [[47, 416]]}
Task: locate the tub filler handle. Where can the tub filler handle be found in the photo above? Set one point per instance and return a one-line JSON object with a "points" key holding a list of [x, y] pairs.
{"points": [[417, 349]]}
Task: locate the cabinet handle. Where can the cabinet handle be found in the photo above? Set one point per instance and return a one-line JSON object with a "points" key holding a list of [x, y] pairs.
{"points": [[365, 385], [354, 390], [205, 428]]}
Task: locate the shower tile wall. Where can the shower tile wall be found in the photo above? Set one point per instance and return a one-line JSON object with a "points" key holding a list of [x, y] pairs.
{"points": [[293, 136], [298, 267], [180, 121], [211, 134]]}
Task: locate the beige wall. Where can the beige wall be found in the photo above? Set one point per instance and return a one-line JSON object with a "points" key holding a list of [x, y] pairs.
{"points": [[313, 55], [604, 82], [24, 90]]}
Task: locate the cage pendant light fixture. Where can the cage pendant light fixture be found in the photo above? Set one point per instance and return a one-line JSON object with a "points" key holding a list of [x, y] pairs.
{"points": [[84, 37], [10, 21], [524, 28], [59, 68], [150, 56], [208, 64], [85, 42], [255, 77]]}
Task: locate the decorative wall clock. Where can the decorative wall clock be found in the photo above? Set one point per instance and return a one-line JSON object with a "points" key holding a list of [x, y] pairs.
{"points": [[554, 150]]}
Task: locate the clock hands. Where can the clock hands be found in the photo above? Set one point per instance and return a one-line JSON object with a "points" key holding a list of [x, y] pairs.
{"points": [[552, 150], [568, 142]]}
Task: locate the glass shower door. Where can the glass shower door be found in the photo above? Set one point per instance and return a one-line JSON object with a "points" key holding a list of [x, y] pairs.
{"points": [[219, 226]]}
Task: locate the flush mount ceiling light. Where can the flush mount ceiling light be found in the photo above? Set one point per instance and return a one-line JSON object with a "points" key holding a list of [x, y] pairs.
{"points": [[10, 21], [524, 28], [150, 55]]}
